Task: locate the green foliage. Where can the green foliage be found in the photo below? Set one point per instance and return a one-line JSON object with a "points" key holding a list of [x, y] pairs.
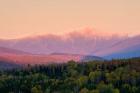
{"points": [[95, 76], [36, 89], [116, 76], [103, 88], [84, 90], [82, 81]]}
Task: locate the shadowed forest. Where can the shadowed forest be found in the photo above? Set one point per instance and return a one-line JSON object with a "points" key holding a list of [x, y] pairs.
{"points": [[115, 76]]}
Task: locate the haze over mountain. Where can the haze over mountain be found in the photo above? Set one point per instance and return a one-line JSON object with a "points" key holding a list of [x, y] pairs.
{"points": [[8, 51], [108, 45], [47, 59], [12, 58], [124, 49], [74, 42]]}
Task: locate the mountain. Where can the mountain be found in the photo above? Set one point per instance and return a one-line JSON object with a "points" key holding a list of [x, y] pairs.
{"points": [[79, 57], [78, 42], [47, 59], [12, 58], [86, 42], [5, 51], [5, 65], [125, 49]]}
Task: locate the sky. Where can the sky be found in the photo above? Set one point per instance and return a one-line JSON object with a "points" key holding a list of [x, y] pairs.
{"points": [[22, 18]]}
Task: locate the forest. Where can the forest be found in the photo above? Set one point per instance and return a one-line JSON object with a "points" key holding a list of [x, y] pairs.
{"points": [[114, 76]]}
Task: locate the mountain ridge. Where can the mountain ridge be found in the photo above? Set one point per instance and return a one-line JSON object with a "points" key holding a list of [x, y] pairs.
{"points": [[47, 59], [4, 50], [76, 43], [72, 43]]}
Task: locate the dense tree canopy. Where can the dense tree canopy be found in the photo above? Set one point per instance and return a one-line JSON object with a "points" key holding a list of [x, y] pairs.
{"points": [[116, 76]]}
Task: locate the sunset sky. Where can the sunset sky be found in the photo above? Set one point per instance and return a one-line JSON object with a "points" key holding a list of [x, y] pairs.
{"points": [[21, 18]]}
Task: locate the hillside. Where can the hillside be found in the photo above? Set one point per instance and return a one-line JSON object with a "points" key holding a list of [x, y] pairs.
{"points": [[4, 51], [48, 59], [125, 49], [72, 43], [97, 44]]}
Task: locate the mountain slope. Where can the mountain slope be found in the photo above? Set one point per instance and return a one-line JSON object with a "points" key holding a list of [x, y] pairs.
{"points": [[93, 43], [4, 50], [124, 49], [72, 43], [47, 59], [4, 65]]}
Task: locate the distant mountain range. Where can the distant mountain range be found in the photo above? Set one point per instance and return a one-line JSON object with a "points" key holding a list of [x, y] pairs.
{"points": [[46, 59], [6, 51], [96, 44], [127, 48], [6, 65]]}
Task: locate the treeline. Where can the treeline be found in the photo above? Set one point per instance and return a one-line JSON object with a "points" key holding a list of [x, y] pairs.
{"points": [[116, 76]]}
